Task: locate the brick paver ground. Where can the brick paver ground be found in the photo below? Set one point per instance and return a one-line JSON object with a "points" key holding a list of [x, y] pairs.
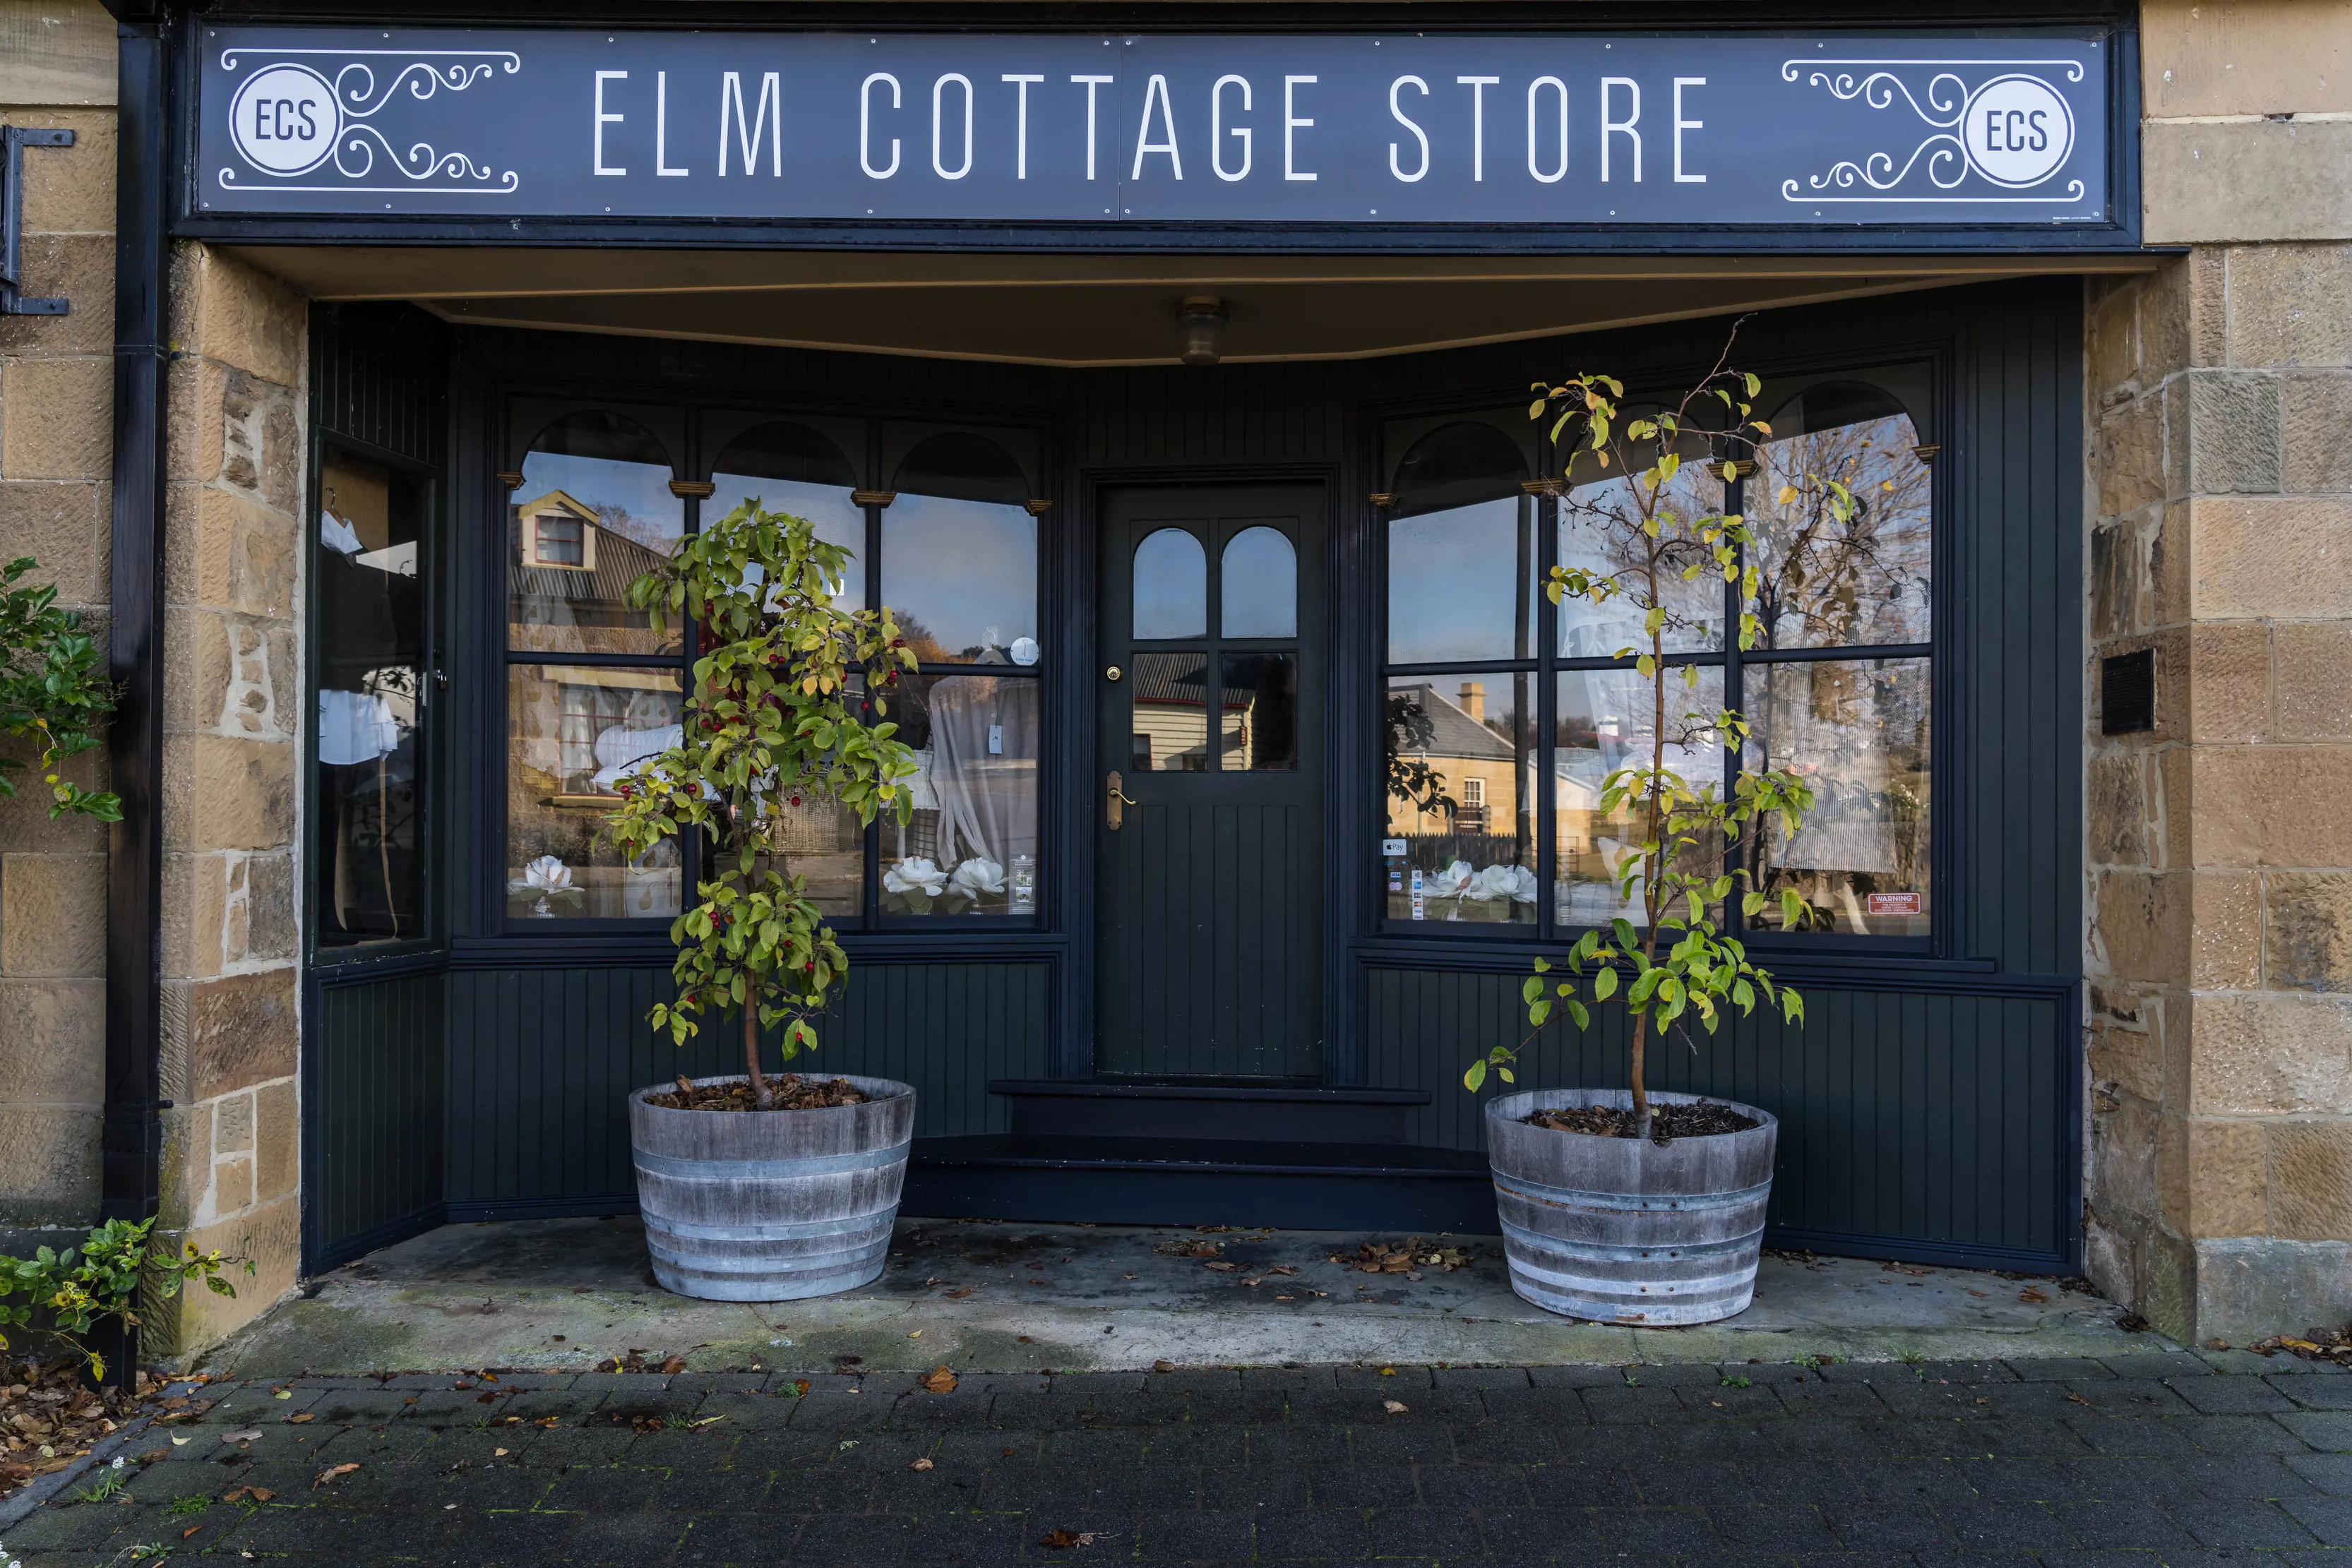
{"points": [[2159, 1458]]}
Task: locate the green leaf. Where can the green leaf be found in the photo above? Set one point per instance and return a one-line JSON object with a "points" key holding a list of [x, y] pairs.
{"points": [[1475, 1076], [1604, 985]]}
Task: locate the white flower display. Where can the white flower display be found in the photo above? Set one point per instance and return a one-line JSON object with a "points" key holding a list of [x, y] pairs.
{"points": [[915, 874], [979, 875], [546, 874], [1497, 883]]}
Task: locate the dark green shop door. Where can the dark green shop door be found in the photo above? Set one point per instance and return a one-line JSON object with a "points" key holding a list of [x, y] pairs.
{"points": [[1210, 680]]}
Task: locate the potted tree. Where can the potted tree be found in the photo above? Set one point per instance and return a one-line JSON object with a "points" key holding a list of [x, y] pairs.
{"points": [[755, 1189], [1622, 1205]]}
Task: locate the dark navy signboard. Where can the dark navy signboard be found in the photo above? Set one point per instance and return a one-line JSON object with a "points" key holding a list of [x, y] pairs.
{"points": [[1086, 128]]}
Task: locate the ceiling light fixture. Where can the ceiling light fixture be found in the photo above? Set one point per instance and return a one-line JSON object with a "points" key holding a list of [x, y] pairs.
{"points": [[1203, 318]]}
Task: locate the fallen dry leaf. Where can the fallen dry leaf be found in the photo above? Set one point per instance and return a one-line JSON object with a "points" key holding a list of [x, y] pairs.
{"points": [[959, 1293], [2031, 1297], [333, 1474], [1394, 1407], [1190, 1248], [800, 1387], [242, 1435], [939, 1380], [922, 1465], [1281, 1269], [1066, 1537], [1010, 1452], [497, 1453], [1223, 1268], [1164, 1366], [673, 1366], [190, 1531], [545, 1421], [298, 1418], [2078, 1399], [248, 1494]]}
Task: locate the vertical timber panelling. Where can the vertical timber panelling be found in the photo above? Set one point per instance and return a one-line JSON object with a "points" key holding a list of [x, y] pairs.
{"points": [[376, 1097], [541, 1062], [1929, 1119]]}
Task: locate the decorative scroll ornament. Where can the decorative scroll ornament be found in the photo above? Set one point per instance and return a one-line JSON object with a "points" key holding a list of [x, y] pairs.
{"points": [[2012, 130], [288, 119]]}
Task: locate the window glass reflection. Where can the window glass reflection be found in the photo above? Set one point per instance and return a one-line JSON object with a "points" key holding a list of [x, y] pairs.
{"points": [[593, 514], [1858, 732], [1605, 720], [1459, 761], [971, 846], [573, 735], [1826, 582], [959, 554], [371, 662], [1171, 712], [793, 469], [1460, 550], [1591, 537], [1171, 585], [1260, 584], [1257, 722]]}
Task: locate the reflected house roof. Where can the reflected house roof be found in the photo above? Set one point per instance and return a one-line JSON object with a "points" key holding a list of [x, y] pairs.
{"points": [[1160, 690], [600, 591], [1452, 732]]}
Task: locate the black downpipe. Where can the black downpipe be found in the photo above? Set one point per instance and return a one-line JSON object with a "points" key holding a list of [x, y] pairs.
{"points": [[134, 1136]]}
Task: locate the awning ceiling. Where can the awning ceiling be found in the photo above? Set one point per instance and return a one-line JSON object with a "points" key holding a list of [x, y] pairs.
{"points": [[1077, 309]]}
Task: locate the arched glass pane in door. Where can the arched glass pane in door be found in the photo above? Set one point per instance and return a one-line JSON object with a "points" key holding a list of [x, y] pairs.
{"points": [[1260, 582], [1171, 585]]}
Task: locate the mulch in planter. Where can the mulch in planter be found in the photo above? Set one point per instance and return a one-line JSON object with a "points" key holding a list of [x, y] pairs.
{"points": [[48, 1417], [793, 1093], [1667, 1122]]}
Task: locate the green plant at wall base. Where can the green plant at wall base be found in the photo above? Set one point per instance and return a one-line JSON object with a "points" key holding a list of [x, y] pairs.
{"points": [[1647, 534], [105, 1277], [51, 689], [788, 707]]}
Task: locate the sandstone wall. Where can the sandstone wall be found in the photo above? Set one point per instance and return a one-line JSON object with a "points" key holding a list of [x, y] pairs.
{"points": [[2218, 948], [56, 391]]}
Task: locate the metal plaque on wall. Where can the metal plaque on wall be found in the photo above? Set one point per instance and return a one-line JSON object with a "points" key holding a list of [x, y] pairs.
{"points": [[1159, 130]]}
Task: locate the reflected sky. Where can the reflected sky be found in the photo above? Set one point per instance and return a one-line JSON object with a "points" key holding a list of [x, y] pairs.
{"points": [[1260, 584], [966, 570], [1171, 585], [1451, 590], [838, 520]]}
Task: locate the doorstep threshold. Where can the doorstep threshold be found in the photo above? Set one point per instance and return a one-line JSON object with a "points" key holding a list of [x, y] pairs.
{"points": [[1205, 1155]]}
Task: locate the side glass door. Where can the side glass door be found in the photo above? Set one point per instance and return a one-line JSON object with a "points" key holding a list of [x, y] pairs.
{"points": [[1210, 782]]}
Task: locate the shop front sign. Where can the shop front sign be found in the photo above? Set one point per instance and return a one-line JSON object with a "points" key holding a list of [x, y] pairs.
{"points": [[1610, 132]]}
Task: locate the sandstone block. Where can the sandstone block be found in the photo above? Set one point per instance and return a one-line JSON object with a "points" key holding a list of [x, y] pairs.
{"points": [[2229, 681], [2311, 1180], [26, 825], [58, 524], [2242, 57], [2233, 430], [232, 1125], [2111, 331], [79, 268], [229, 551], [2170, 560], [69, 190], [232, 1187], [52, 916], [2122, 584], [2244, 181], [2207, 272], [2130, 457], [2142, 922], [2118, 808], [2126, 1057], [201, 928], [56, 418], [2174, 805], [2263, 1053], [187, 1170], [235, 313], [223, 793], [2271, 805], [2315, 433], [271, 1237], [2308, 934], [2225, 937], [53, 1042], [2290, 305], [2311, 698], [277, 1141], [2124, 1147], [56, 55], [48, 1164], [272, 933], [2216, 1177], [2280, 557], [2251, 1288], [240, 1032]]}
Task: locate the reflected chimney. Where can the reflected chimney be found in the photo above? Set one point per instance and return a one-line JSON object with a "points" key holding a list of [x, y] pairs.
{"points": [[1474, 700]]}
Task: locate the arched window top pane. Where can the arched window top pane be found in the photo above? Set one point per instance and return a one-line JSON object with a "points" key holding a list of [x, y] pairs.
{"points": [[594, 512], [962, 466], [1830, 582], [783, 450], [1171, 585], [789, 468], [1599, 518], [1457, 465], [1260, 584]]}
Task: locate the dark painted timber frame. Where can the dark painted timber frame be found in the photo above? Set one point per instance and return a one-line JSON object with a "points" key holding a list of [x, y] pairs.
{"points": [[156, 203]]}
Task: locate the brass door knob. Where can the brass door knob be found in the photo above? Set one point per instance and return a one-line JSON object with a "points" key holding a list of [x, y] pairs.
{"points": [[1113, 673]]}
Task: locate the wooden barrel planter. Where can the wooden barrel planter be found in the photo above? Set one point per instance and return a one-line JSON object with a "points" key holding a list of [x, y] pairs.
{"points": [[1625, 1231], [774, 1205]]}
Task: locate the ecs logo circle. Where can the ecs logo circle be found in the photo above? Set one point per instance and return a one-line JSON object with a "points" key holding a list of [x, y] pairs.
{"points": [[2017, 129], [284, 120]]}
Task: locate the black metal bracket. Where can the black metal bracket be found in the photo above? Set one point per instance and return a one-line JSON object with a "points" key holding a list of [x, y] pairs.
{"points": [[14, 140]]}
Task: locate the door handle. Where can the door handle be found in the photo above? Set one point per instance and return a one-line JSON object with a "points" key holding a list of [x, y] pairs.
{"points": [[1116, 800]]}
